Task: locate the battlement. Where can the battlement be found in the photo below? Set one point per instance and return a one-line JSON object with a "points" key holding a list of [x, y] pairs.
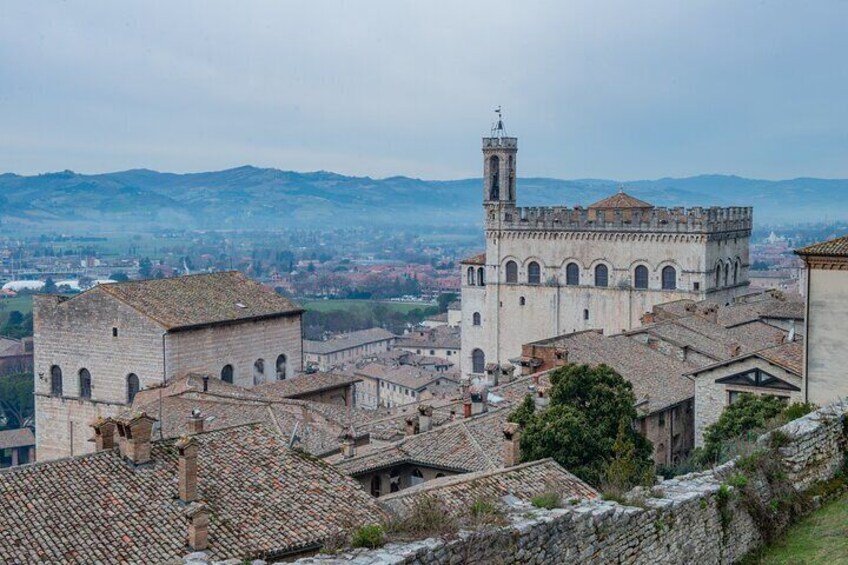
{"points": [[496, 142], [667, 220]]}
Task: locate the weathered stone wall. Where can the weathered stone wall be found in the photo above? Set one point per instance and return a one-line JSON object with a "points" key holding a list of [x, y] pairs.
{"points": [[681, 522]]}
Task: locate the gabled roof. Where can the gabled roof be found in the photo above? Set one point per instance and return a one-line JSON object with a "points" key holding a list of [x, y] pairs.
{"points": [[789, 356], [200, 300], [264, 501], [467, 445], [620, 200], [20, 437], [346, 341], [479, 259], [834, 248], [459, 493], [307, 384]]}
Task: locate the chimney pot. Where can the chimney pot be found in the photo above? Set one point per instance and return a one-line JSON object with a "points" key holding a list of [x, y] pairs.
{"points": [[512, 444], [348, 444], [466, 409], [135, 435], [187, 468], [425, 417], [198, 527], [411, 425], [104, 433], [195, 422]]}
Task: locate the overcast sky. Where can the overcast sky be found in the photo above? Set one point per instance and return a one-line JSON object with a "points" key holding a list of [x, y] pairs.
{"points": [[607, 89]]}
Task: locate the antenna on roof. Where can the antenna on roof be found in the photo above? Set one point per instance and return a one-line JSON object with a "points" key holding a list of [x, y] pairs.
{"points": [[498, 129]]}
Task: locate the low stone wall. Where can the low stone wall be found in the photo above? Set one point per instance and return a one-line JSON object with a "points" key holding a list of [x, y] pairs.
{"points": [[694, 518]]}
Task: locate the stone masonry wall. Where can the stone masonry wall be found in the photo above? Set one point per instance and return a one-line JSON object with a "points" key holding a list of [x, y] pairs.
{"points": [[681, 521]]}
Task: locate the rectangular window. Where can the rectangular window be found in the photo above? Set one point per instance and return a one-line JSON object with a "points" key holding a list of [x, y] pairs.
{"points": [[697, 286], [586, 314], [114, 332]]}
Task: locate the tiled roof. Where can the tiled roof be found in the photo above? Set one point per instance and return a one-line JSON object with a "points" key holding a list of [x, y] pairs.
{"points": [[347, 341], [479, 259], [789, 355], [20, 437], [197, 300], [10, 347], [620, 200], [458, 493], [834, 247], [406, 375], [657, 380], [264, 500], [442, 337], [306, 384], [473, 444]]}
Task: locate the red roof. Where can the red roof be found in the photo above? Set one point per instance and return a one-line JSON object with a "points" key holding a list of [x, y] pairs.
{"points": [[620, 200]]}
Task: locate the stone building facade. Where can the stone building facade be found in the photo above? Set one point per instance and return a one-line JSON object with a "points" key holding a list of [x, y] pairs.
{"points": [[94, 351], [553, 270], [826, 291]]}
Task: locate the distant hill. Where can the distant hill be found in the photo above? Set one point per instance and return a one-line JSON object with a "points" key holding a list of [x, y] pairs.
{"points": [[253, 198]]}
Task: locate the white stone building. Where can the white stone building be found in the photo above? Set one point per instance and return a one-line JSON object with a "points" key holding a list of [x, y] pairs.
{"points": [[554, 270], [342, 348], [96, 350], [826, 330]]}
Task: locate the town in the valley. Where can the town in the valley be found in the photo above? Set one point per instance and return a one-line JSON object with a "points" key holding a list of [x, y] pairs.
{"points": [[188, 414]]}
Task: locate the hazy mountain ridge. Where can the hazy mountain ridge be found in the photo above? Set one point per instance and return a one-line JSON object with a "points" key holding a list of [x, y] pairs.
{"points": [[258, 198]]}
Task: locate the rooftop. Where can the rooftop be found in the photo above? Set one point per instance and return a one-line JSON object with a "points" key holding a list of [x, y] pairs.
{"points": [[479, 259], [459, 493], [198, 300], [346, 341], [620, 200], [264, 500], [307, 384], [441, 337], [20, 437], [833, 248]]}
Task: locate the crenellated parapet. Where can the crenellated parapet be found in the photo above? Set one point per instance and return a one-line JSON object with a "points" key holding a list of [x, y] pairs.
{"points": [[666, 220]]}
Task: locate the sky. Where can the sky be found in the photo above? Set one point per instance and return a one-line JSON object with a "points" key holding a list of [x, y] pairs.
{"points": [[616, 89]]}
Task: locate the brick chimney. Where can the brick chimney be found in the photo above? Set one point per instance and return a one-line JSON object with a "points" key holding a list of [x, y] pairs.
{"points": [[466, 408], [512, 444], [734, 349], [198, 526], [348, 441], [134, 432], [411, 425], [425, 417], [187, 468], [195, 422], [104, 433], [710, 313], [541, 399]]}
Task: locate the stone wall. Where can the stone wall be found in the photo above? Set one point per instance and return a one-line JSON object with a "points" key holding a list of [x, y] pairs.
{"points": [[681, 521]]}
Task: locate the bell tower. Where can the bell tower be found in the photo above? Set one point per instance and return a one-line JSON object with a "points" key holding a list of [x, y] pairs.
{"points": [[499, 160]]}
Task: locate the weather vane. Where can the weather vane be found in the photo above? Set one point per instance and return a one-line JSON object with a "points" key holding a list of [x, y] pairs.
{"points": [[498, 128]]}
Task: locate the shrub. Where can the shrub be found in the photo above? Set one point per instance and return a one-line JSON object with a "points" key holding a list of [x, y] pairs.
{"points": [[548, 500], [428, 518], [370, 536], [745, 419], [738, 481]]}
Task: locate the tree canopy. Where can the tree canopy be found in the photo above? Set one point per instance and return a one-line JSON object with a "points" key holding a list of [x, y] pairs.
{"points": [[17, 402], [587, 428]]}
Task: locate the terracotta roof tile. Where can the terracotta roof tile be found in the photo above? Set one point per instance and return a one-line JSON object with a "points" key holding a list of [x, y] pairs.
{"points": [[479, 259], [20, 437], [195, 300], [264, 500], [835, 247], [458, 493], [620, 200], [306, 384], [345, 341]]}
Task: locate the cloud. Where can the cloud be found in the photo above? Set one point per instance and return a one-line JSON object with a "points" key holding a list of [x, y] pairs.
{"points": [[614, 89]]}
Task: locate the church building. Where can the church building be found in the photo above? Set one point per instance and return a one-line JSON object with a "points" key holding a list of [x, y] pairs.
{"points": [[549, 271]]}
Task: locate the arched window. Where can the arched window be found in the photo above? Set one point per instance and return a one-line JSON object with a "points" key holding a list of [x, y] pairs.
{"points": [[475, 318], [84, 383], [281, 367], [511, 272], [522, 301], [55, 380], [481, 278], [494, 176], [718, 275], [572, 274], [478, 361], [534, 273], [640, 277], [736, 272], [601, 275], [133, 387], [727, 274], [375, 486], [669, 278], [417, 477], [511, 178], [259, 371], [227, 374], [470, 276]]}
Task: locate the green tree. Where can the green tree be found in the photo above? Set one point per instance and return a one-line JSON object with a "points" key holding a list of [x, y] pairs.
{"points": [[145, 268], [444, 300], [524, 413], [17, 325], [119, 277], [587, 426], [17, 401], [748, 415], [49, 286]]}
